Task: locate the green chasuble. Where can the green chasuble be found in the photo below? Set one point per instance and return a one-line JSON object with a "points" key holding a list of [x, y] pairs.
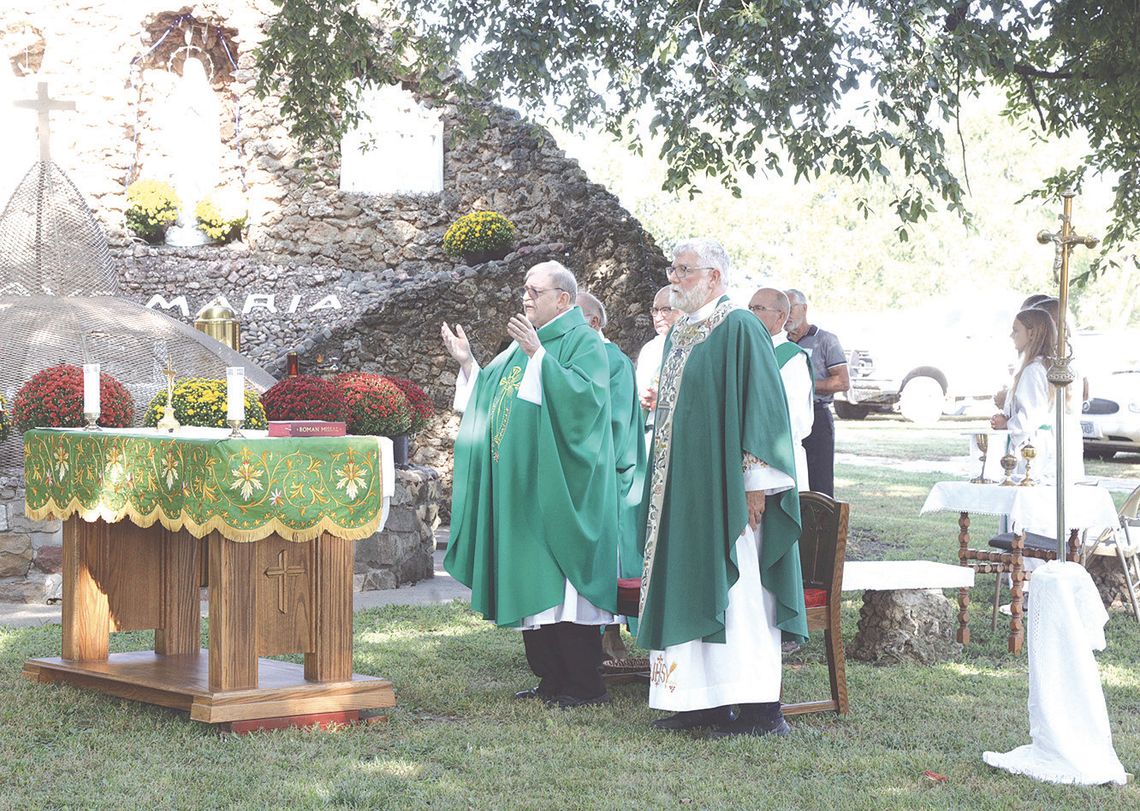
{"points": [[534, 495], [628, 427], [720, 397]]}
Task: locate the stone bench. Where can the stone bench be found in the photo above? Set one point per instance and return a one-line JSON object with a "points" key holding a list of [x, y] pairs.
{"points": [[905, 616]]}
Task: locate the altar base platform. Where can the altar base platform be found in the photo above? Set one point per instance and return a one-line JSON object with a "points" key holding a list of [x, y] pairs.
{"points": [[182, 683]]}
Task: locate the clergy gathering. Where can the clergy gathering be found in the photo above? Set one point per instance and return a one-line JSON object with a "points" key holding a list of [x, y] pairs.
{"points": [[589, 405]]}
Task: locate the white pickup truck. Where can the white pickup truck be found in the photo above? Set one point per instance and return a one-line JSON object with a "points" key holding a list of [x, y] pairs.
{"points": [[924, 370]]}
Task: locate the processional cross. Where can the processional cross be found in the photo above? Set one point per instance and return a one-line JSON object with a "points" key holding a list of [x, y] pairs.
{"points": [[43, 105], [1059, 373]]}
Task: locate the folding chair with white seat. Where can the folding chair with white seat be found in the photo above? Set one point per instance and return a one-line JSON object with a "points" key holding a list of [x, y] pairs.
{"points": [[1124, 543]]}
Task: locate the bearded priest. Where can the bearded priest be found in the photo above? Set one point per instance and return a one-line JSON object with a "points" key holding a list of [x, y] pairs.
{"points": [[533, 530], [721, 583]]}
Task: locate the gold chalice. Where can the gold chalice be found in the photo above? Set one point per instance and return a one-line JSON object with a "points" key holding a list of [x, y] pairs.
{"points": [[1008, 464], [1029, 453], [983, 440]]}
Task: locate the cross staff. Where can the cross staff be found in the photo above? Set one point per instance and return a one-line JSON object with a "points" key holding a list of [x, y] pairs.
{"points": [[1059, 373], [44, 105]]}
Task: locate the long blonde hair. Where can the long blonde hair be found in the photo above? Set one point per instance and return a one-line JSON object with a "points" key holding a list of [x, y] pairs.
{"points": [[1042, 341]]}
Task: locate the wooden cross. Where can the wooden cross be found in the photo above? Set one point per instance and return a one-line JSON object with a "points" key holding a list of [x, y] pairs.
{"points": [[280, 570], [44, 105]]}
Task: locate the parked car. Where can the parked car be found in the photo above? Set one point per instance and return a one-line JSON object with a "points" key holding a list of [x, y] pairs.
{"points": [[926, 363], [1110, 418]]}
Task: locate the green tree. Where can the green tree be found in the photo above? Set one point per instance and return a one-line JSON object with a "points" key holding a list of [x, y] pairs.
{"points": [[864, 89]]}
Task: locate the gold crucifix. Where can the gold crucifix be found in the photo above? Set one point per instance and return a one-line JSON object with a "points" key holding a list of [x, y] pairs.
{"points": [[1059, 374], [43, 105], [283, 572]]}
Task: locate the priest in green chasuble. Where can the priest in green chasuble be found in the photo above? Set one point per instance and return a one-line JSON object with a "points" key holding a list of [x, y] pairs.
{"points": [[721, 582], [533, 529], [627, 426]]}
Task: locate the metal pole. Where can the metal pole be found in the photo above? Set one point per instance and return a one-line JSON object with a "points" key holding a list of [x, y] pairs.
{"points": [[1062, 386]]}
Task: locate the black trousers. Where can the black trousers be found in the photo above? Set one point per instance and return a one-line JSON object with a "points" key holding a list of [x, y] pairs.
{"points": [[820, 448], [565, 656]]}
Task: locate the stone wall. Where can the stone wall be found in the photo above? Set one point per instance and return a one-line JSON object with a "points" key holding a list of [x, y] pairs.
{"points": [[31, 552], [403, 553]]}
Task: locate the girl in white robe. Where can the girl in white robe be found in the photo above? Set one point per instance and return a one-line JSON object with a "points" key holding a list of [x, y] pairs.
{"points": [[1028, 412]]}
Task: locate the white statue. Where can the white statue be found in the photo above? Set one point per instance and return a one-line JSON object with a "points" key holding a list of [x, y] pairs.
{"points": [[193, 147]]}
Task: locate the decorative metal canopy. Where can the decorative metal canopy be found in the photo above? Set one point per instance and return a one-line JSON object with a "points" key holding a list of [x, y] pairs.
{"points": [[49, 242]]}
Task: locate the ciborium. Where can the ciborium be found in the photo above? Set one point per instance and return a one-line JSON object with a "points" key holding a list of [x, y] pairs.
{"points": [[1008, 464], [983, 441], [1029, 453]]}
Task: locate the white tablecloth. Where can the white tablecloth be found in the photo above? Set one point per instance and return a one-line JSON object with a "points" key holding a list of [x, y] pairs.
{"points": [[1068, 719], [1030, 509]]}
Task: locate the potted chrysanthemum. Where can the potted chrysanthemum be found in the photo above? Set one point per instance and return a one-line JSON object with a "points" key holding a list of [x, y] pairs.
{"points": [[304, 397], [201, 401], [53, 398], [480, 236], [375, 405]]}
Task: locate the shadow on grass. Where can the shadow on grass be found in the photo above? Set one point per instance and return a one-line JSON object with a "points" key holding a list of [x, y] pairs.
{"points": [[458, 738]]}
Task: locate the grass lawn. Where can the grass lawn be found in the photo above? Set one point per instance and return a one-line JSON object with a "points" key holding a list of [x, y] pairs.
{"points": [[459, 740]]}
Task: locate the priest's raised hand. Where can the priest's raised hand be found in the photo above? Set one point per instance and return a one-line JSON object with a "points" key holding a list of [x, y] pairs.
{"points": [[458, 347], [524, 334]]}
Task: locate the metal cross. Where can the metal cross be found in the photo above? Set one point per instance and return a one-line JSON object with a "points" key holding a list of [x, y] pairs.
{"points": [[283, 572], [44, 105], [1059, 373]]}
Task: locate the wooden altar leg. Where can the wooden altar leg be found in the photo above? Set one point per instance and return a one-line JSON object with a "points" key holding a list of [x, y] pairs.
{"points": [[331, 657], [1074, 552], [1016, 599], [233, 615], [181, 570], [86, 617], [963, 594]]}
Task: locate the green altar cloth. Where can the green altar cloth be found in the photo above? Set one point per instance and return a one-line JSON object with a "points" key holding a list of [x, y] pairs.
{"points": [[246, 489]]}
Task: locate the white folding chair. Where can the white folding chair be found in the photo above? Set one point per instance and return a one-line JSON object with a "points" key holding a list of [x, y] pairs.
{"points": [[1124, 543]]}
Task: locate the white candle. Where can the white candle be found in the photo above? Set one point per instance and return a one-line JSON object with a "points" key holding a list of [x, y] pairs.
{"points": [[91, 388], [235, 393]]}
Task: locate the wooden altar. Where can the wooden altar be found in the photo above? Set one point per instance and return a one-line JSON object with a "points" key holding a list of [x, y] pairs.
{"points": [[278, 570]]}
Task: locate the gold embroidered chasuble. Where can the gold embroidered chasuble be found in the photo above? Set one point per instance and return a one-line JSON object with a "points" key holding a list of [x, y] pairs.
{"points": [[720, 401]]}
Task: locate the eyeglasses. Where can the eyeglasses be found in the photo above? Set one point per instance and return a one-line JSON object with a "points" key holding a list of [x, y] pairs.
{"points": [[682, 272], [534, 292], [656, 311], [760, 308]]}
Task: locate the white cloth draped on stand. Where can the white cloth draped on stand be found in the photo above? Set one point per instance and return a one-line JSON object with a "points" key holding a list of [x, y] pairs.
{"points": [[1068, 718]]}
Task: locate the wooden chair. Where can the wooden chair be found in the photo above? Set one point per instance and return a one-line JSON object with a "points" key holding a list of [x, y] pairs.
{"points": [[823, 547]]}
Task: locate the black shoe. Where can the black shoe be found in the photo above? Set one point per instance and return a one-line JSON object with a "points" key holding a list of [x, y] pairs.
{"points": [[693, 719], [569, 702], [755, 723], [534, 692]]}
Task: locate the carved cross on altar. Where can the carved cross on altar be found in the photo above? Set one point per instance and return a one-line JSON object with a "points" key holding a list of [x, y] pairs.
{"points": [[1059, 373], [283, 572], [44, 105]]}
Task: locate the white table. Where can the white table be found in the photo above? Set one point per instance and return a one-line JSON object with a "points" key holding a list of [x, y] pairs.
{"points": [[1029, 509]]}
